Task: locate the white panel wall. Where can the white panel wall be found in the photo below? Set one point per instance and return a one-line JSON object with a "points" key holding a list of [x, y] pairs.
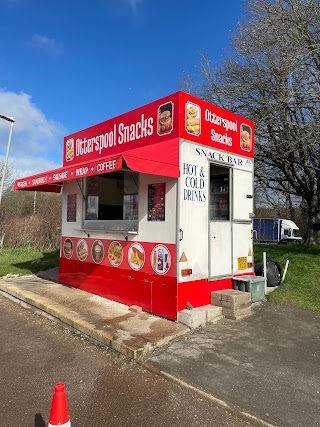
{"points": [[157, 231], [243, 195], [242, 246], [195, 162], [193, 189], [72, 228]]}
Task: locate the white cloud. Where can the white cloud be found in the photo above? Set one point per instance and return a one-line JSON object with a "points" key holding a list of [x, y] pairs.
{"points": [[23, 166], [46, 44], [36, 143]]}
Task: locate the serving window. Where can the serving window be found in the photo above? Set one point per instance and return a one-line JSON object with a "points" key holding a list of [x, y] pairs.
{"points": [[111, 202]]}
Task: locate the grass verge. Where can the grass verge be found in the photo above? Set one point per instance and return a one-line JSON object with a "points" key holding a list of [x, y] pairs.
{"points": [[26, 261], [301, 286], [302, 282]]}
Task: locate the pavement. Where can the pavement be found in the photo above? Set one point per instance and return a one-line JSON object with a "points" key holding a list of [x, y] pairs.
{"points": [[264, 367], [133, 334]]}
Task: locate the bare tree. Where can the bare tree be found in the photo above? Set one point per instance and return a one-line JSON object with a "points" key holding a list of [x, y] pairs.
{"points": [[23, 226], [272, 77]]}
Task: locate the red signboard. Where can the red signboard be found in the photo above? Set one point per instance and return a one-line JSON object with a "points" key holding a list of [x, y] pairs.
{"points": [[150, 124], [177, 115], [98, 149], [210, 125]]}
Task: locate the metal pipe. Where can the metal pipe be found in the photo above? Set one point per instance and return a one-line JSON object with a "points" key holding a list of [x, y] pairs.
{"points": [[265, 270], [285, 272], [9, 119]]}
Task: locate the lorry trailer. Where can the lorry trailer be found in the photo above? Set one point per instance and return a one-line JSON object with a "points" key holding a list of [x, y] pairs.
{"points": [[275, 230]]}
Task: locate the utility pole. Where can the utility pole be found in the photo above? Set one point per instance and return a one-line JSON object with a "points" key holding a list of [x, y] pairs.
{"points": [[11, 120]]}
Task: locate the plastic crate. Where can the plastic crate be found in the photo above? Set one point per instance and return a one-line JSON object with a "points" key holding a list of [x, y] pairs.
{"points": [[253, 284]]}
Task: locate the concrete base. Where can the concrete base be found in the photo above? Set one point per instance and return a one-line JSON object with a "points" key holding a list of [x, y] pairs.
{"points": [[228, 303], [234, 304], [199, 316]]}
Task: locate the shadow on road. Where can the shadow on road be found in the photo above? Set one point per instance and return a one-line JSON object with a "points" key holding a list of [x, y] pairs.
{"points": [[39, 421]]}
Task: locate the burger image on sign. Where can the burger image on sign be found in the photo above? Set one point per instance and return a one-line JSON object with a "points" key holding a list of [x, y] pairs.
{"points": [[165, 118], [245, 137], [193, 119]]}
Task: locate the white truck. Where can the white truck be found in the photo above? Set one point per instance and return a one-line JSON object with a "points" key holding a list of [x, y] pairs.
{"points": [[275, 230]]}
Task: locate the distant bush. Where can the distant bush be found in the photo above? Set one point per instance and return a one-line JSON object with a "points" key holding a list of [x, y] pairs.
{"points": [[26, 220]]}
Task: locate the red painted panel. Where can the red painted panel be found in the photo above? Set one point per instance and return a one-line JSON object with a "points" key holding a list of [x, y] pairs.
{"points": [[208, 124], [155, 295], [108, 282], [164, 297], [154, 292], [153, 286], [156, 159], [251, 273], [198, 292]]}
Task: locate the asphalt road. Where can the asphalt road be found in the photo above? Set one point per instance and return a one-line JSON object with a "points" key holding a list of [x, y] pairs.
{"points": [[103, 387], [267, 364]]}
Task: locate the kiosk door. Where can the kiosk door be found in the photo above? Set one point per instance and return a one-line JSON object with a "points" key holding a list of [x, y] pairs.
{"points": [[220, 231]]}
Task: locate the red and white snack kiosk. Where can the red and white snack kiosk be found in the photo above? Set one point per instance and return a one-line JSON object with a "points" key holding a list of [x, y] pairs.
{"points": [[157, 204]]}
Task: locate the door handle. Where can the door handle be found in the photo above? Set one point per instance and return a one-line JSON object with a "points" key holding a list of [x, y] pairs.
{"points": [[180, 235]]}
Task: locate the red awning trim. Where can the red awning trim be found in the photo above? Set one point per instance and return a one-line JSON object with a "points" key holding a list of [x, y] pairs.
{"points": [[157, 159], [52, 180]]}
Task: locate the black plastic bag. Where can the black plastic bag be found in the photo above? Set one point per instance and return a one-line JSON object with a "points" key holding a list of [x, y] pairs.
{"points": [[273, 272]]}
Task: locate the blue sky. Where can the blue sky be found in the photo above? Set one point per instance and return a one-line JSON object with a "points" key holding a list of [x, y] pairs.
{"points": [[68, 64]]}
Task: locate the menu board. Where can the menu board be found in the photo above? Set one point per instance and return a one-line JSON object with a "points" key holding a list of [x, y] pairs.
{"points": [[156, 202], [72, 208]]}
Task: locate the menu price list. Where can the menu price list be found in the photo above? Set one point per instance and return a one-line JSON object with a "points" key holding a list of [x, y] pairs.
{"points": [[156, 202]]}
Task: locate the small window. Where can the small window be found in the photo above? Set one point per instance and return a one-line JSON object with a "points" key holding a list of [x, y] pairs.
{"points": [[296, 233]]}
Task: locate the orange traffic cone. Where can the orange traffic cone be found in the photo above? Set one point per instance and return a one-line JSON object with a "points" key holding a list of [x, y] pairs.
{"points": [[59, 415]]}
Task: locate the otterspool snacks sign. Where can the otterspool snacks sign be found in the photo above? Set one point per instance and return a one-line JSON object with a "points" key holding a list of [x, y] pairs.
{"points": [[147, 138], [210, 125], [147, 125], [178, 115]]}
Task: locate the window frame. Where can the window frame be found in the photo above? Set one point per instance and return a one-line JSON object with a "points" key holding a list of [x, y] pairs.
{"points": [[129, 226]]}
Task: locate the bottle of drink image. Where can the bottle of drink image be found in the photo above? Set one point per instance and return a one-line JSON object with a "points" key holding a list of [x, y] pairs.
{"points": [[160, 260], [166, 261], [154, 259]]}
